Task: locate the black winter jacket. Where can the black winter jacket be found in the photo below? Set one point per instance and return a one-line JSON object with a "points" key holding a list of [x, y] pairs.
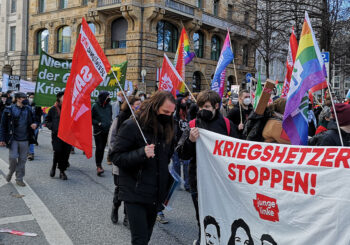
{"points": [[52, 119], [9, 121], [235, 117], [141, 179], [101, 117], [187, 149], [330, 137]]}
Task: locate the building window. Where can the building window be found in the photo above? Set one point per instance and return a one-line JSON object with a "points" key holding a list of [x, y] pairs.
{"points": [[216, 7], [64, 39], [12, 38], [196, 85], [234, 48], [246, 17], [92, 27], [336, 81], [198, 41], [261, 67], [230, 12], [215, 47], [42, 41], [167, 36], [85, 2], [119, 29], [199, 4], [245, 54], [13, 6], [63, 4], [41, 6], [347, 83]]}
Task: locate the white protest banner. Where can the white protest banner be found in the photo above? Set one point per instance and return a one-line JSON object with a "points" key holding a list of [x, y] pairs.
{"points": [[27, 86], [5, 81], [259, 193]]}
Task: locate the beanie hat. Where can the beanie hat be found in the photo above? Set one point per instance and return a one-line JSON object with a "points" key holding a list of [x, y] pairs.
{"points": [[326, 112], [20, 95], [343, 112]]}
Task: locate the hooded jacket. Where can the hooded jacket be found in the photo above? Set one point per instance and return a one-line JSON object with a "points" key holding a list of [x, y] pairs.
{"points": [[101, 113], [330, 137]]}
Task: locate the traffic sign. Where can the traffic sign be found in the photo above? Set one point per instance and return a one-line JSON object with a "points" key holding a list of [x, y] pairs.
{"points": [[248, 77]]}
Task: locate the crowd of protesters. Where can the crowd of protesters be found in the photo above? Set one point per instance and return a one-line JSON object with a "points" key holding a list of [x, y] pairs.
{"points": [[144, 134]]}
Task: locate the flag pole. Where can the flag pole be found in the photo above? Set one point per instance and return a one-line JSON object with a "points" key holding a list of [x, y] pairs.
{"points": [[234, 68], [335, 114], [189, 91], [132, 111]]}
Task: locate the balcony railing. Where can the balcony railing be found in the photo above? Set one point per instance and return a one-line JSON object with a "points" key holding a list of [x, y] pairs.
{"points": [[102, 3], [179, 7], [220, 23]]}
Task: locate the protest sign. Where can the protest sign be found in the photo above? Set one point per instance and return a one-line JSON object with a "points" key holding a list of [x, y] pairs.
{"points": [[27, 86], [5, 81], [53, 74], [13, 83], [281, 194]]}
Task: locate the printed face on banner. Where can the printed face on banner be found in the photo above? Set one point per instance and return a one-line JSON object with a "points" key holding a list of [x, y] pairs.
{"points": [[272, 193]]}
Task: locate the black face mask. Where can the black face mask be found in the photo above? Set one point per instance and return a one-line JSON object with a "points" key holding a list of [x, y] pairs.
{"points": [[25, 102], [205, 115], [183, 106], [108, 100], [164, 119]]}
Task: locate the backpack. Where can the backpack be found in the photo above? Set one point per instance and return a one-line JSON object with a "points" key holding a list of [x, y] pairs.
{"points": [[227, 122]]}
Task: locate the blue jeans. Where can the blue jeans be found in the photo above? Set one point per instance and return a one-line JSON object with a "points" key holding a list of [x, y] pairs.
{"points": [[177, 167]]}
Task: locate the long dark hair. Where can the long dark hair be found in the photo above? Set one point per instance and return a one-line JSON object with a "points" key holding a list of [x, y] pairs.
{"points": [[147, 115], [235, 225]]}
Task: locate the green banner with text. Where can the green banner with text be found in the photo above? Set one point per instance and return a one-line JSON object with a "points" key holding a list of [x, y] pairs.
{"points": [[53, 75]]}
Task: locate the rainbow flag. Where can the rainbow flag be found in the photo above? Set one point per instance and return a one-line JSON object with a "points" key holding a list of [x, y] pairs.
{"points": [[183, 56], [308, 72]]}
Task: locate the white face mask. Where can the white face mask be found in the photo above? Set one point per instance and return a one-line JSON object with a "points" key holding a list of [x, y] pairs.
{"points": [[142, 98], [3, 100], [119, 99], [30, 100], [246, 101]]}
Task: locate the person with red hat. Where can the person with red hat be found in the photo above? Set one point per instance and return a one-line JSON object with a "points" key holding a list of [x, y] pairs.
{"points": [[331, 137]]}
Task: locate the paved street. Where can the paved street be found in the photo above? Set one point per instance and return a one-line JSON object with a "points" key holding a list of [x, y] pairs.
{"points": [[76, 211]]}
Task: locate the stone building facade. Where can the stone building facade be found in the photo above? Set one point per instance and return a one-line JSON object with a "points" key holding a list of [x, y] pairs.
{"points": [[141, 31], [13, 38]]}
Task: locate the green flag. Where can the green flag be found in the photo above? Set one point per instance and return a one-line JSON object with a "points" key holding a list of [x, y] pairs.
{"points": [[258, 92], [53, 75]]}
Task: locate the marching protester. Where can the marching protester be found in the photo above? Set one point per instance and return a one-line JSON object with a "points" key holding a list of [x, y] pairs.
{"points": [[101, 120], [125, 114], [17, 131], [38, 112], [3, 103], [116, 105], [239, 114], [273, 127], [323, 120], [331, 136], [61, 150], [224, 107], [144, 178], [209, 118]]}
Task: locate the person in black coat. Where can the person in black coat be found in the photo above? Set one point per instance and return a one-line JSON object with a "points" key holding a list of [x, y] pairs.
{"points": [[209, 118], [144, 178], [240, 113], [61, 150], [331, 136], [124, 115], [101, 113]]}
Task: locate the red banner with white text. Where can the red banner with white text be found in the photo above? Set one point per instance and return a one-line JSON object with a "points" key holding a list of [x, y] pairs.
{"points": [[89, 68]]}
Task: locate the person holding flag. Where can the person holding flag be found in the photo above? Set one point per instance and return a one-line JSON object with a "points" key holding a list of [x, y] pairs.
{"points": [[143, 166], [89, 68]]}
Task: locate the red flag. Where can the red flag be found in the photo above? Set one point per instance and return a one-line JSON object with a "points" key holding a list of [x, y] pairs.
{"points": [[292, 53], [169, 77], [89, 68]]}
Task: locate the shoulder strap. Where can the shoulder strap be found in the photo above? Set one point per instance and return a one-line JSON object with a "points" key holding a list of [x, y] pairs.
{"points": [[192, 123], [228, 126]]}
